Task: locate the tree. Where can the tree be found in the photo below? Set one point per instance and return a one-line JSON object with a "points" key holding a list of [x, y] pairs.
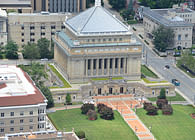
{"points": [[167, 110], [31, 51], [90, 3], [68, 99], [86, 107], [11, 50], [92, 115], [117, 4], [162, 94], [163, 38], [152, 110], [161, 102], [146, 104], [44, 45], [106, 113]]}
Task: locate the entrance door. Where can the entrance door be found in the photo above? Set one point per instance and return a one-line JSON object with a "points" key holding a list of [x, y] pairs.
{"points": [[110, 90], [99, 91]]}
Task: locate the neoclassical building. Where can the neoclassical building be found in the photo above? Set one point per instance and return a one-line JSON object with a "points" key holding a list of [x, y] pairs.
{"points": [[96, 44]]}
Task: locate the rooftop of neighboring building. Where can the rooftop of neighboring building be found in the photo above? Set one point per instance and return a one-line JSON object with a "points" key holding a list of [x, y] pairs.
{"points": [[161, 17], [3, 13], [16, 88], [43, 135], [15, 2], [38, 14]]}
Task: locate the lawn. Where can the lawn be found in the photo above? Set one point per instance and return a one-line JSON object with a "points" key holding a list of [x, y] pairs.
{"points": [[153, 82], [179, 126], [99, 129], [177, 97], [147, 72], [106, 78], [66, 84]]}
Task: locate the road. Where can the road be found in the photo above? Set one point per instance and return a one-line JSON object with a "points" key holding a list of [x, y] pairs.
{"points": [[187, 86]]}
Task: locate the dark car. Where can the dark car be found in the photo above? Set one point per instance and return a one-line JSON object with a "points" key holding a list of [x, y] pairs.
{"points": [[167, 66], [175, 82]]}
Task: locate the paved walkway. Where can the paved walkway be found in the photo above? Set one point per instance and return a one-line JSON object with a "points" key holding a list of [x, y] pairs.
{"points": [[124, 107]]}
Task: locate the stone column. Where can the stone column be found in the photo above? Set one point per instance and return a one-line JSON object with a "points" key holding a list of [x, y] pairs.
{"points": [[113, 66], [119, 65], [97, 66], [91, 66], [102, 66], [124, 65], [108, 66], [86, 67]]}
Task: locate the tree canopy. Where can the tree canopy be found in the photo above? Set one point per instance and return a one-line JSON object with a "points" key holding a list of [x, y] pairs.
{"points": [[117, 4], [163, 38], [43, 45], [31, 51], [158, 4], [11, 50]]}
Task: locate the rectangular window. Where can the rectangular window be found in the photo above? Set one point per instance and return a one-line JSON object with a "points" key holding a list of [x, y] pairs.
{"points": [[2, 130], [42, 33], [111, 63], [30, 120], [21, 128], [21, 121], [62, 27], [121, 89], [53, 26], [105, 63], [22, 34], [42, 27], [11, 129], [32, 33], [89, 64], [116, 62], [30, 127], [22, 40], [32, 27], [22, 27], [11, 113], [94, 63], [2, 114], [100, 63], [31, 112], [179, 37], [11, 121], [21, 113], [186, 35], [122, 59]]}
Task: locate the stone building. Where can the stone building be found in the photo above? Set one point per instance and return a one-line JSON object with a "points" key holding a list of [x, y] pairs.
{"points": [[180, 20], [96, 44], [24, 28], [22, 105], [55, 6], [3, 27]]}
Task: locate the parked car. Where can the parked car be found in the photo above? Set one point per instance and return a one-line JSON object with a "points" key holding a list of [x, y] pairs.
{"points": [[175, 82], [44, 59], [167, 66]]}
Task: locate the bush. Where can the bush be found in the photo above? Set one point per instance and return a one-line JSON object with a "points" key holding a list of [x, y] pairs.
{"points": [[167, 110], [162, 94], [146, 104], [80, 134], [161, 102], [152, 110], [92, 115], [106, 113], [68, 99], [86, 107], [100, 106]]}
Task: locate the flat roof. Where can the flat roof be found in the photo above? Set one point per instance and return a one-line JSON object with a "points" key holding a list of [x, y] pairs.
{"points": [[16, 88], [15, 2]]}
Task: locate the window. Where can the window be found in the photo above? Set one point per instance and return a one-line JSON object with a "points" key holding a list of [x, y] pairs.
{"points": [[179, 37], [32, 40], [22, 34], [99, 91], [22, 40], [94, 63], [153, 92], [2, 130], [121, 89], [110, 90], [116, 63], [115, 39], [21, 128], [100, 63], [30, 120], [99, 40], [105, 63], [42, 27], [41, 126], [62, 27], [52, 33], [2, 114], [89, 64], [31, 112], [53, 26], [104, 39], [22, 27], [110, 39], [11, 129], [11, 113], [186, 35], [93, 40], [11, 121], [32, 27], [74, 97], [111, 63], [1, 123], [59, 98], [21, 121], [42, 33], [21, 113], [32, 33], [30, 127], [167, 91], [120, 39]]}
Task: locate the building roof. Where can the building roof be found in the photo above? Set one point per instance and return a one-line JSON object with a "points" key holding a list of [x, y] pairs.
{"points": [[15, 2], [3, 13], [17, 88], [154, 15], [96, 20]]}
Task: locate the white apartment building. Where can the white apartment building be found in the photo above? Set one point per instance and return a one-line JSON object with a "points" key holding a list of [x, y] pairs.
{"points": [[3, 27], [22, 105]]}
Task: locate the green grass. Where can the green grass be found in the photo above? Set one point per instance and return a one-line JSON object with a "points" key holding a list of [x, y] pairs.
{"points": [[105, 78], [179, 126], [153, 82], [99, 129], [66, 84], [147, 72], [177, 97]]}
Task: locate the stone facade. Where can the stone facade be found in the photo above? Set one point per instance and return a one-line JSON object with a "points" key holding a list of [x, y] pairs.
{"points": [[3, 27], [24, 28]]}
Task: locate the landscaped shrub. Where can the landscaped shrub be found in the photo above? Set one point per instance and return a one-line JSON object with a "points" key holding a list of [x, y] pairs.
{"points": [[80, 134], [162, 94], [92, 115], [106, 113], [167, 110], [152, 110], [100, 106], [68, 99], [86, 107], [161, 102], [146, 104]]}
